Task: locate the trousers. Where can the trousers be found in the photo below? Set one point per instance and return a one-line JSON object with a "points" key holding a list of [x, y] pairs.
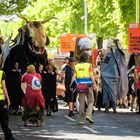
{"points": [[4, 120], [90, 101]]}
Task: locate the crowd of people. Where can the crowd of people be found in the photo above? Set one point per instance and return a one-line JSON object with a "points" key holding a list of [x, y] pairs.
{"points": [[85, 87]]}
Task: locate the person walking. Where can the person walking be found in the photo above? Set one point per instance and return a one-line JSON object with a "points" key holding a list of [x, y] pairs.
{"points": [[71, 96], [63, 69], [33, 100], [86, 84], [4, 102], [16, 94], [49, 81], [4, 106]]}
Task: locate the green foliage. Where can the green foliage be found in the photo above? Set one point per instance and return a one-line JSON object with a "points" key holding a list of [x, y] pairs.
{"points": [[8, 7], [105, 17]]}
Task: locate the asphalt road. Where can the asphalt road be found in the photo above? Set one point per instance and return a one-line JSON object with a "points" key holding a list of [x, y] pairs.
{"points": [[124, 125]]}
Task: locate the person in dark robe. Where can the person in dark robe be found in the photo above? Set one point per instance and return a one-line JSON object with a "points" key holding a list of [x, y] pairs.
{"points": [[63, 69], [16, 91], [42, 72], [49, 90], [71, 94]]}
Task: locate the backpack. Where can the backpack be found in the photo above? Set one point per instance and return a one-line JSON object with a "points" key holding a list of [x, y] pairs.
{"points": [[36, 83]]}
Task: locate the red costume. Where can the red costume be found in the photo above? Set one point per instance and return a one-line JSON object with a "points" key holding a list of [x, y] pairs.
{"points": [[33, 97]]}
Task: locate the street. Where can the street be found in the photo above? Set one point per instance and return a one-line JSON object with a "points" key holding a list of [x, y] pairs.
{"points": [[123, 125]]}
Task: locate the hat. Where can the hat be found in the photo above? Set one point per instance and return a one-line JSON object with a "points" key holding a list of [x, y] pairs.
{"points": [[72, 59]]}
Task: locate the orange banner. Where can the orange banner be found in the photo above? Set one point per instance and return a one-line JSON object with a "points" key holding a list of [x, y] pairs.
{"points": [[134, 38], [68, 41]]}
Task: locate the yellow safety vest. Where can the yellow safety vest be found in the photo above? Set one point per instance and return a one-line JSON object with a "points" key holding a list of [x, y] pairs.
{"points": [[2, 97], [82, 73]]}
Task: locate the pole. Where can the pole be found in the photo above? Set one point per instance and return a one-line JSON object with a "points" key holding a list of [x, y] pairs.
{"points": [[137, 11], [85, 17]]}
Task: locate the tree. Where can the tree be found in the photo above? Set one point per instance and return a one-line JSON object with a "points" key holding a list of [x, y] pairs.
{"points": [[8, 7], [105, 17]]}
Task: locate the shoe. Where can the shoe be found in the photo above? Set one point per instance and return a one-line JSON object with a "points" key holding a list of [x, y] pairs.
{"points": [[25, 123], [71, 114], [12, 138], [66, 104], [88, 118], [39, 124], [114, 110], [99, 109], [125, 106], [15, 113], [121, 106], [106, 110], [76, 111], [81, 122]]}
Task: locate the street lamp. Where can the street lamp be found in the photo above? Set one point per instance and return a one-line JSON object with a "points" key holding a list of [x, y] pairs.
{"points": [[137, 11], [85, 17]]}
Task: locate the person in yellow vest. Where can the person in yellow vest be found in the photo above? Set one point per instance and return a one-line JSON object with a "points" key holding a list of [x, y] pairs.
{"points": [[4, 106], [84, 77]]}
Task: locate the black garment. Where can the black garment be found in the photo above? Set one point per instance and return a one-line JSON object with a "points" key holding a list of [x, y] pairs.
{"points": [[4, 119], [69, 96], [99, 103], [49, 90], [138, 95], [15, 92]]}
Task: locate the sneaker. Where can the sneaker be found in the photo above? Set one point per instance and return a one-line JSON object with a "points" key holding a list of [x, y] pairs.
{"points": [[81, 122], [88, 118]]}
